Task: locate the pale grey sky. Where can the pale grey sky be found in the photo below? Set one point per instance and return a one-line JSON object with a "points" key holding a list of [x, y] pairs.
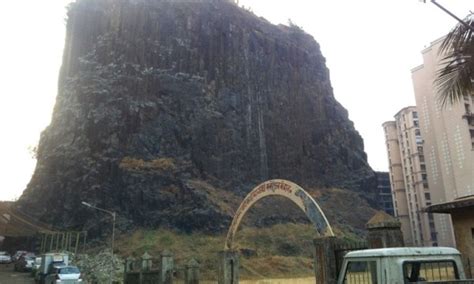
{"points": [[370, 47]]}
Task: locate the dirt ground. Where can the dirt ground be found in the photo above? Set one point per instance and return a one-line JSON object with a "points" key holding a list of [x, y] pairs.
{"points": [[8, 276]]}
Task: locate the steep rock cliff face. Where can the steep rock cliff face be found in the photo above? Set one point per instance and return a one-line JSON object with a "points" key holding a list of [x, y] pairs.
{"points": [[171, 111]]}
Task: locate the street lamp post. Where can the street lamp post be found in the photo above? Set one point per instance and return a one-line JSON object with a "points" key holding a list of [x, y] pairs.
{"points": [[113, 226]]}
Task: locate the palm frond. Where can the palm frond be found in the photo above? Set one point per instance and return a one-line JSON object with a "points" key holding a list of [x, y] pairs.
{"points": [[459, 37], [455, 78]]}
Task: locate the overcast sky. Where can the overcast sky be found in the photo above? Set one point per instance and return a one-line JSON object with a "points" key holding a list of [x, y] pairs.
{"points": [[370, 47]]}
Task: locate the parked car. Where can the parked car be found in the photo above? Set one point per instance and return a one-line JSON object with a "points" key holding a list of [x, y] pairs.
{"points": [[18, 254], [5, 257], [25, 262], [64, 273]]}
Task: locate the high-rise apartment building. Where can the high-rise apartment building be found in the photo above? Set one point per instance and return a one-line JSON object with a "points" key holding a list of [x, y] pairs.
{"points": [[448, 133], [384, 194], [408, 178]]}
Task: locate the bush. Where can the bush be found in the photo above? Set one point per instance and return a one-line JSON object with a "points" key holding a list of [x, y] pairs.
{"points": [[98, 268], [159, 164]]}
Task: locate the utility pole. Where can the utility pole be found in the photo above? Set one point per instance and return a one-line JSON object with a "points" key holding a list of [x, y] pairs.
{"points": [[113, 214], [451, 14]]}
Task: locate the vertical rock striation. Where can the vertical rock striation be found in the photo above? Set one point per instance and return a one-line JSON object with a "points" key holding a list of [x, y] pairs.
{"points": [[171, 111]]}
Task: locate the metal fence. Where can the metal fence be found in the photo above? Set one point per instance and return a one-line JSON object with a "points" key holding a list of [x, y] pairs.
{"points": [[159, 270]]}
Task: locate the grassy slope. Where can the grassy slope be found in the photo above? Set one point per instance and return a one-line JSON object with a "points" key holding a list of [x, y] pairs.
{"points": [[278, 251], [282, 250]]}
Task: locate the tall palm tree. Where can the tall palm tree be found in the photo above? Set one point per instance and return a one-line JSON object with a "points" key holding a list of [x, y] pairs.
{"points": [[455, 79]]}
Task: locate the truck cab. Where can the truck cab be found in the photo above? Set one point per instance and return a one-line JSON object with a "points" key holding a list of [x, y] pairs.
{"points": [[402, 265], [48, 263]]}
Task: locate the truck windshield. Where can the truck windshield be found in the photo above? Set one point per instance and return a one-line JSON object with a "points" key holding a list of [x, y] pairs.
{"points": [[69, 270], [361, 272], [416, 271]]}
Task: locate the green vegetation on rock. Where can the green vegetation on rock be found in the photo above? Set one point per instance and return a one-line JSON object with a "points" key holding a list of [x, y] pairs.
{"points": [[280, 251]]}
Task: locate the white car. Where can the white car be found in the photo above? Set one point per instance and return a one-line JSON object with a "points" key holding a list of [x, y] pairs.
{"points": [[5, 257], [64, 274], [37, 263]]}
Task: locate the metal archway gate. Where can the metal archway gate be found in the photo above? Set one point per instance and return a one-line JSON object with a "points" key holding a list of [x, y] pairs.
{"points": [[287, 189], [228, 269]]}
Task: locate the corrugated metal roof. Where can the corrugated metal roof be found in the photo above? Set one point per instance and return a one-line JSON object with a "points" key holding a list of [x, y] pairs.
{"points": [[448, 207]]}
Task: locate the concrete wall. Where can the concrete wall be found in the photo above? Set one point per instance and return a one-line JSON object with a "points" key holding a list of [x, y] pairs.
{"points": [[463, 223]]}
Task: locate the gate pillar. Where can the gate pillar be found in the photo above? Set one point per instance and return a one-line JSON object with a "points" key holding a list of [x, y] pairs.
{"points": [[228, 267], [191, 275], [325, 260], [166, 267], [384, 231]]}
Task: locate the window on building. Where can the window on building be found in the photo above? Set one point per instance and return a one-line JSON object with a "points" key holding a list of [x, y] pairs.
{"points": [[427, 196], [417, 132], [425, 185], [423, 168], [467, 107], [422, 158], [424, 177], [470, 120], [432, 226], [361, 272], [415, 122]]}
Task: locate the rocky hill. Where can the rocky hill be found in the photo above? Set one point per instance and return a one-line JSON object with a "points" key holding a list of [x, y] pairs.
{"points": [[169, 112]]}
